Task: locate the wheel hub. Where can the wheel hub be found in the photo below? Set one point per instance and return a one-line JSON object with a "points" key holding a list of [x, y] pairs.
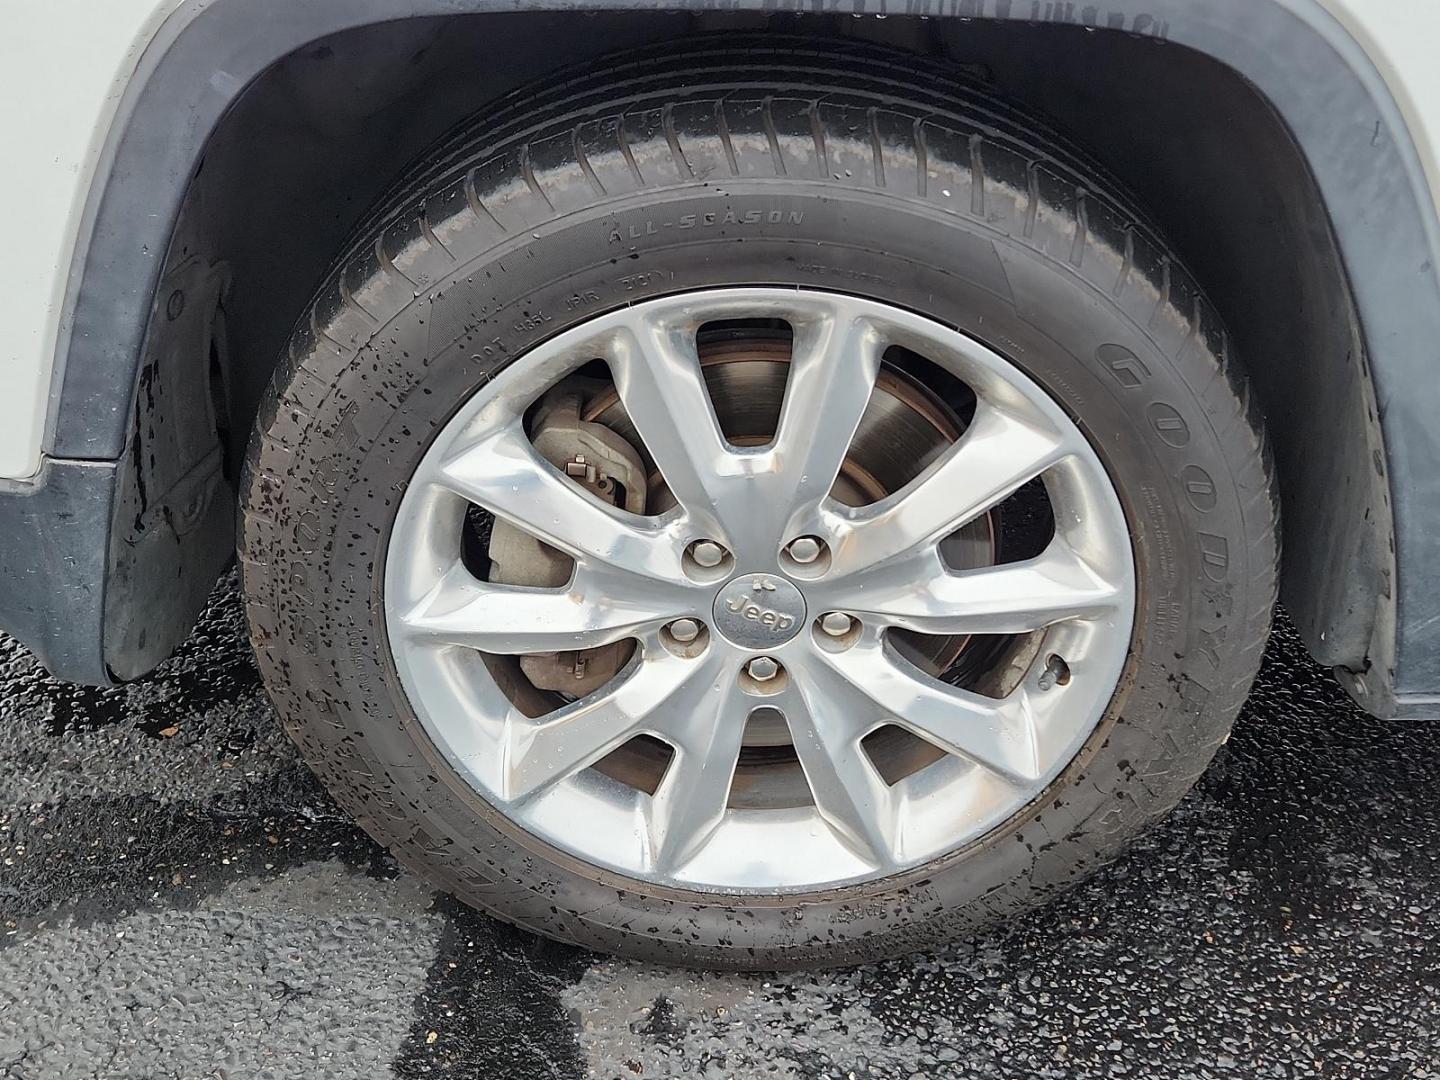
{"points": [[759, 611]]}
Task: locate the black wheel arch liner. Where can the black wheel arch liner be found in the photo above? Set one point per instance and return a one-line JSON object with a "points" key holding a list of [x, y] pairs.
{"points": [[1295, 53]]}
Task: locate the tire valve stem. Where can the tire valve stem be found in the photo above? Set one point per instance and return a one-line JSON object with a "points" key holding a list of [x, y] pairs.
{"points": [[1056, 673]]}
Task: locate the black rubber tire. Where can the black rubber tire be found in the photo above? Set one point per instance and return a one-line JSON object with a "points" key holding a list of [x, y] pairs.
{"points": [[829, 167]]}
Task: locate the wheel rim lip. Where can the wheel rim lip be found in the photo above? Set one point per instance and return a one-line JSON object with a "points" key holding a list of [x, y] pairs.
{"points": [[448, 692]]}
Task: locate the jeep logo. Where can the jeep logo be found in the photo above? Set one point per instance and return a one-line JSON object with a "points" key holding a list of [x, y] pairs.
{"points": [[758, 611], [766, 617]]}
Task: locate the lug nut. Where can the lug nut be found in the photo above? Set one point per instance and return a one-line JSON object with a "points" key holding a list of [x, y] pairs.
{"points": [[762, 669], [707, 553], [685, 630], [805, 550], [836, 623]]}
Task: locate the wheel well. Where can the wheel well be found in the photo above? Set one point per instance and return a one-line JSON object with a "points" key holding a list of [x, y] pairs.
{"points": [[321, 134]]}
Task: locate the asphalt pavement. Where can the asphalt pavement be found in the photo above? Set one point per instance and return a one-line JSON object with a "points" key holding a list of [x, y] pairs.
{"points": [[181, 900]]}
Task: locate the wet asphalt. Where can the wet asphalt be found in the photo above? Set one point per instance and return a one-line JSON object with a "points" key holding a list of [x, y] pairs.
{"points": [[181, 900]]}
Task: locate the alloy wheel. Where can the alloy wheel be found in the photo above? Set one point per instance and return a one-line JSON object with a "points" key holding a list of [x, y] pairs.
{"points": [[835, 677]]}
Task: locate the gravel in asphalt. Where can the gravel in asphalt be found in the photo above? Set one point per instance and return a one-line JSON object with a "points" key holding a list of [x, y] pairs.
{"points": [[180, 899]]}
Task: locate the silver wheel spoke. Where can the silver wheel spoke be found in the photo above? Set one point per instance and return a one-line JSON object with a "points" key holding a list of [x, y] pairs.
{"points": [[832, 374], [503, 473], [996, 735], [657, 373], [998, 454], [849, 791], [541, 753], [690, 801], [924, 595], [750, 498], [594, 609]]}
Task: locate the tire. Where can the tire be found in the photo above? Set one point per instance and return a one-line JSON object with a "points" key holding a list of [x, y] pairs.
{"points": [[830, 168]]}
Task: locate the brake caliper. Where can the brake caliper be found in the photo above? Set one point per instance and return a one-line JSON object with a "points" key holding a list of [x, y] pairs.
{"points": [[601, 462]]}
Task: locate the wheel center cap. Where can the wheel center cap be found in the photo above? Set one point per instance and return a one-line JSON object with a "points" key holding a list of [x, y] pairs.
{"points": [[759, 611]]}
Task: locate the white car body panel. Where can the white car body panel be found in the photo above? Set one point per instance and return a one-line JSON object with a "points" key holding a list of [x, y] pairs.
{"points": [[67, 64]]}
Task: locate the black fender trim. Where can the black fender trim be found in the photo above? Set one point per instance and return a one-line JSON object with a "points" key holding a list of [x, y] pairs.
{"points": [[54, 552]]}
